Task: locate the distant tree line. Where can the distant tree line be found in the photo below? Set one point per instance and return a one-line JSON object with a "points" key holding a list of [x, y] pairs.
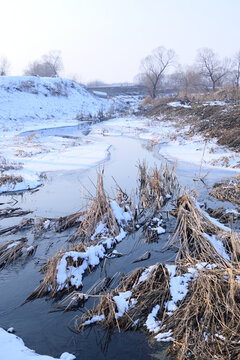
{"points": [[158, 70], [208, 71], [49, 65]]}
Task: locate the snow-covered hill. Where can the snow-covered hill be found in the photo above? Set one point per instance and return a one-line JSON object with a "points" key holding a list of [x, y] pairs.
{"points": [[57, 106], [30, 97]]}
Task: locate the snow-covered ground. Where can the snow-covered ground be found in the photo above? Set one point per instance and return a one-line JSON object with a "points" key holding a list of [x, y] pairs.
{"points": [[35, 99], [29, 104]]}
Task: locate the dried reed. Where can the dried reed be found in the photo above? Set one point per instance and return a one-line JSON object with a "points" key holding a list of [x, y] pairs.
{"points": [[206, 323], [156, 185], [190, 234], [229, 190], [11, 250], [147, 294], [100, 210]]}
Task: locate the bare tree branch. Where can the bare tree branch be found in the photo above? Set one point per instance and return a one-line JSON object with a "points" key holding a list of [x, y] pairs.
{"points": [[211, 67], [49, 66], [153, 68]]}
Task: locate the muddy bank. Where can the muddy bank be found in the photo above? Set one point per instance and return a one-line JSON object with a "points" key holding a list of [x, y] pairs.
{"points": [[211, 119]]}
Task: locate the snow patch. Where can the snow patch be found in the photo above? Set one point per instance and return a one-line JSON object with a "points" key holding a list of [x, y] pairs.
{"points": [[12, 347], [152, 324]]}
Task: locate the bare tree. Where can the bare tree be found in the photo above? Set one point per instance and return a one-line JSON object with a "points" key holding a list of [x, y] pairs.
{"points": [[49, 66], [39, 69], [236, 69], [153, 68], [211, 67], [4, 66], [53, 60]]}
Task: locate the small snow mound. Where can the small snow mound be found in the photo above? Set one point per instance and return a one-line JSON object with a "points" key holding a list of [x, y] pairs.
{"points": [[67, 356]]}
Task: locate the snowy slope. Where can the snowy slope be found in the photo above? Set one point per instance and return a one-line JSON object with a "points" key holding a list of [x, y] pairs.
{"points": [[46, 98], [56, 105]]}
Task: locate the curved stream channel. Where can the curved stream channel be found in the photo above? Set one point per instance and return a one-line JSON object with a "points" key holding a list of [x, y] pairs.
{"points": [[62, 194]]}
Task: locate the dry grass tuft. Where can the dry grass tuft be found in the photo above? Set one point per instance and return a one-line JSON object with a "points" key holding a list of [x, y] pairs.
{"points": [[69, 221], [207, 324], [11, 250], [229, 190], [147, 294], [99, 211], [221, 214], [8, 180], [156, 186], [191, 234], [49, 284]]}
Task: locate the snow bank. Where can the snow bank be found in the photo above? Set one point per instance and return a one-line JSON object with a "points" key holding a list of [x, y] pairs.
{"points": [[30, 104], [13, 348], [24, 97]]}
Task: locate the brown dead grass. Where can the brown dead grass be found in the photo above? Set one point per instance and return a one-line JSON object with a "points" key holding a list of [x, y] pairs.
{"points": [[221, 122], [189, 236], [12, 180], [206, 324], [11, 250], [147, 294], [156, 186], [98, 210], [228, 190]]}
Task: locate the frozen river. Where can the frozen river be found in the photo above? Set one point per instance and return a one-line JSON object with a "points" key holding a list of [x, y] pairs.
{"points": [[64, 191]]}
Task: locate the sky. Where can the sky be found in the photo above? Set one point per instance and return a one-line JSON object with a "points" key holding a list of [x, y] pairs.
{"points": [[106, 39]]}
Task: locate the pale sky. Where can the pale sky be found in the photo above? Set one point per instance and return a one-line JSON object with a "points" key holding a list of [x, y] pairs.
{"points": [[106, 39]]}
